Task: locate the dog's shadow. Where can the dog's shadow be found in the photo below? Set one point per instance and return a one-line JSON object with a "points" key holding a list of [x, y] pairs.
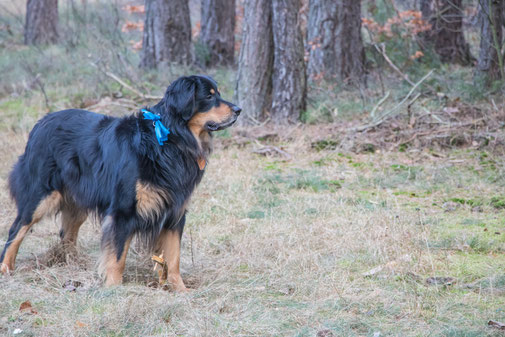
{"points": [[139, 267], [140, 270]]}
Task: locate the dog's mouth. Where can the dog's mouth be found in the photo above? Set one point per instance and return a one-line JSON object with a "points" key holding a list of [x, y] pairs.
{"points": [[213, 126]]}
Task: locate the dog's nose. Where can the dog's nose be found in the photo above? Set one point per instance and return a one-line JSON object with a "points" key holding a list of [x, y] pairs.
{"points": [[236, 110]]}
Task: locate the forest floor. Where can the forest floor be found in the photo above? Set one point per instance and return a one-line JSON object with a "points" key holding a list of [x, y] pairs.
{"points": [[288, 238], [320, 229]]}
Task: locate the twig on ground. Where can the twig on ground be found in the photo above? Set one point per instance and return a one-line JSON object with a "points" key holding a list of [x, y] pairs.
{"points": [[191, 242], [265, 150], [272, 149], [381, 101]]}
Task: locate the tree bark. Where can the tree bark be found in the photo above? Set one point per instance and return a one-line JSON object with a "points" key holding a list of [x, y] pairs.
{"points": [[41, 26], [289, 78], [218, 31], [167, 33], [490, 63], [446, 35], [254, 75], [334, 41]]}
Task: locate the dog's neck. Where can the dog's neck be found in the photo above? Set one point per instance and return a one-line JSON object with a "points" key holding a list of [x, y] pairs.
{"points": [[204, 141]]}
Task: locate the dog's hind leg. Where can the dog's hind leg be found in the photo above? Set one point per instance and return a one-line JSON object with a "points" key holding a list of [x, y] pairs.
{"points": [[24, 221], [17, 232], [72, 217]]}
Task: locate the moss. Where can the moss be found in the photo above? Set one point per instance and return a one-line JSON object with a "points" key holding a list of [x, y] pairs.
{"points": [[498, 202], [325, 144]]}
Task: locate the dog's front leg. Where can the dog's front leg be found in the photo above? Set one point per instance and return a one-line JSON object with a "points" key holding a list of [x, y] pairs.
{"points": [[169, 243], [172, 255], [115, 245]]}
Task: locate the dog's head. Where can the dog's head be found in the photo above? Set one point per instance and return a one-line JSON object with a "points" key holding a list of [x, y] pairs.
{"points": [[197, 102]]}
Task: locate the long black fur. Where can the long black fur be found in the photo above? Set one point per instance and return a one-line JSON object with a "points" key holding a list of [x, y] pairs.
{"points": [[96, 160]]}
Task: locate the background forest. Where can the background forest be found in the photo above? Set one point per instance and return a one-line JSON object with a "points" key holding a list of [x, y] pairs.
{"points": [[364, 185]]}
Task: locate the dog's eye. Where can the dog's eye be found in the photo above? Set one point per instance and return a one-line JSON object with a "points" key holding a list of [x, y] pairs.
{"points": [[209, 97]]}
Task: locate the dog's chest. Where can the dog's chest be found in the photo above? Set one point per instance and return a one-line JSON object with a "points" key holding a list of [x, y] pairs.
{"points": [[154, 203]]}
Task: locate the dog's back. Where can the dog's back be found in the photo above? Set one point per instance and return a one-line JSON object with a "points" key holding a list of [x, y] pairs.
{"points": [[55, 154]]}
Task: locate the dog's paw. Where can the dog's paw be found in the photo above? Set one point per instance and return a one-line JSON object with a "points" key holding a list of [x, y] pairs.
{"points": [[4, 269]]}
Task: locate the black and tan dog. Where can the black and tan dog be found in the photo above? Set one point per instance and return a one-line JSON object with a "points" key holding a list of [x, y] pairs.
{"points": [[136, 173]]}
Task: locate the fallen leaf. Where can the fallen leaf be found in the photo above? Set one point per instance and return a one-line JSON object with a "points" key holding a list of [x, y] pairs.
{"points": [[79, 324], [163, 268], [26, 306], [496, 324]]}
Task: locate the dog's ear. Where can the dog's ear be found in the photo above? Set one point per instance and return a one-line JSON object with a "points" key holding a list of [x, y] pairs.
{"points": [[180, 97]]}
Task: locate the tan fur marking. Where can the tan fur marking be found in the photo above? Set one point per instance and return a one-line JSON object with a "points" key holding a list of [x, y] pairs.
{"points": [[10, 255], [111, 266], [150, 200], [218, 115], [48, 205], [212, 91], [71, 221], [170, 244], [202, 163]]}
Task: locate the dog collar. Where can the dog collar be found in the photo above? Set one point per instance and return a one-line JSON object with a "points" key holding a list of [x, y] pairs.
{"points": [[161, 131]]}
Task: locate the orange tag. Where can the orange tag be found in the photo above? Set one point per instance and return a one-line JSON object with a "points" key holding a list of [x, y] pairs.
{"points": [[201, 164]]}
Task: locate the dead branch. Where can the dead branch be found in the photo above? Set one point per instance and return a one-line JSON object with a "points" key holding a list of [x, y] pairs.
{"points": [[382, 51], [124, 84], [381, 101], [268, 149], [390, 112]]}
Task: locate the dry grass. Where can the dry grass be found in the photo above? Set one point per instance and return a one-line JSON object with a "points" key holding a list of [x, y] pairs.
{"points": [[326, 244], [281, 248]]}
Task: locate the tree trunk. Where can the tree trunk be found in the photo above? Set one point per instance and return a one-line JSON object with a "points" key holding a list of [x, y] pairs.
{"points": [[167, 33], [490, 63], [218, 31], [289, 79], [254, 75], [334, 40], [446, 33], [41, 25]]}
